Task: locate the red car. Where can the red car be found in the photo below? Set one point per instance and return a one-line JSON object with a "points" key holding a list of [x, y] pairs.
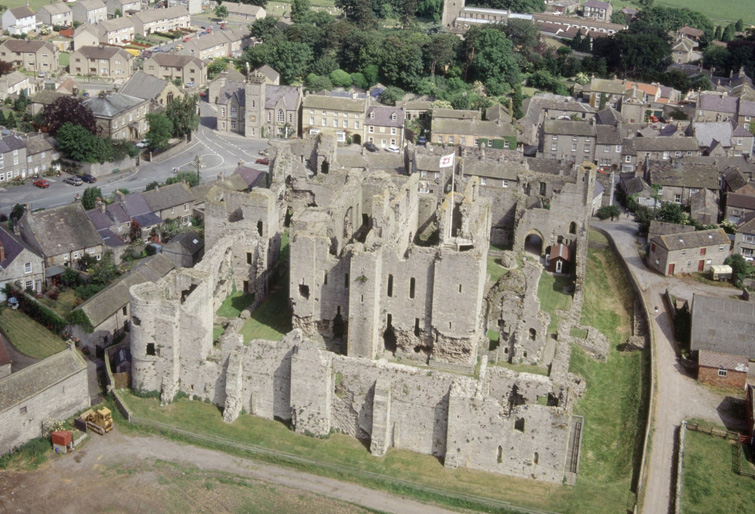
{"points": [[40, 182], [263, 160]]}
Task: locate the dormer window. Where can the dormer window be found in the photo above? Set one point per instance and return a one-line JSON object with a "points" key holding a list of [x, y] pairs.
{"points": [[393, 116], [372, 115]]}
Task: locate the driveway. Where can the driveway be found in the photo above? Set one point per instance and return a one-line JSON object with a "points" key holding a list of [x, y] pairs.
{"points": [[678, 395]]}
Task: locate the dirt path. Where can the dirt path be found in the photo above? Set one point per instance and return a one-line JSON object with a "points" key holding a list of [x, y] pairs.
{"points": [[678, 395], [53, 484]]}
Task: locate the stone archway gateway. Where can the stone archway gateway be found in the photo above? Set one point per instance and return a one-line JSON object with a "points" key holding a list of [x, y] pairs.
{"points": [[534, 243]]}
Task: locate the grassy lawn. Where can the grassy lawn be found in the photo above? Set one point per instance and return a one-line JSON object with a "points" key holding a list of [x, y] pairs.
{"points": [[28, 336], [494, 337], [63, 305], [234, 304], [64, 59], [613, 404], [579, 333], [720, 13], [708, 482], [217, 331], [495, 270], [550, 290], [596, 236]]}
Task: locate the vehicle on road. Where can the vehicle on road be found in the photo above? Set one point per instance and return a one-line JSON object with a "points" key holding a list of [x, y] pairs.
{"points": [[42, 74], [89, 179], [422, 140], [190, 83], [393, 149], [222, 26], [74, 181], [371, 147], [142, 144], [187, 39], [41, 183], [263, 160]]}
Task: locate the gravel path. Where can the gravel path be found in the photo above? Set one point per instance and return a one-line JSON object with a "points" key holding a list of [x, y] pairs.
{"points": [[678, 395]]}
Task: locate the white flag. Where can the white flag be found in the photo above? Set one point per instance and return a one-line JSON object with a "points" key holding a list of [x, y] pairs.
{"points": [[447, 161]]}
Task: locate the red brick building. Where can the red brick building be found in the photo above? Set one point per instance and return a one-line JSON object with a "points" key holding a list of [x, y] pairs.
{"points": [[722, 369]]}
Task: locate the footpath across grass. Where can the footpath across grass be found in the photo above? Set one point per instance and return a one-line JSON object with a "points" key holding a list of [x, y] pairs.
{"points": [[708, 482], [28, 336]]}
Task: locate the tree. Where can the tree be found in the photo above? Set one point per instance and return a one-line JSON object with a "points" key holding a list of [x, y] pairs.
{"points": [[152, 185], [2, 118], [619, 17], [160, 130], [216, 67], [359, 81], [316, 83], [740, 25], [299, 10], [493, 61], [401, 59], [69, 109], [5, 67], [729, 33], [430, 9], [441, 50], [358, 12], [90, 197], [391, 95], [221, 12], [105, 270], [718, 33], [340, 78], [10, 121], [18, 210], [117, 13], [21, 102], [183, 115], [78, 143], [266, 29]]}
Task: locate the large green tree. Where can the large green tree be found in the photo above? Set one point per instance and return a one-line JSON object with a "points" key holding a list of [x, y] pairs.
{"points": [[401, 59], [492, 60], [299, 10], [160, 131], [358, 12], [183, 115], [292, 59], [441, 51], [77, 143], [221, 12]]}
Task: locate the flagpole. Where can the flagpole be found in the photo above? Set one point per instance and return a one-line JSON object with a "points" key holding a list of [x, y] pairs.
{"points": [[451, 210]]}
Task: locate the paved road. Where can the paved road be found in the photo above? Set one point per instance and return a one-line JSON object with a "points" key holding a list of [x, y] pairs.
{"points": [[219, 153], [678, 395]]}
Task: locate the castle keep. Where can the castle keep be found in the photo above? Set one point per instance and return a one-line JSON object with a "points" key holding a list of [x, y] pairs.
{"points": [[391, 304]]}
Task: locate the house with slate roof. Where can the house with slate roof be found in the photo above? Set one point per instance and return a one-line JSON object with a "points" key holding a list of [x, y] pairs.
{"points": [[184, 250], [143, 219], [722, 369], [474, 133], [170, 67], [54, 388], [384, 126], [703, 207], [679, 180], [12, 158], [39, 155], [744, 239], [15, 82], [716, 107], [126, 7], [335, 112], [102, 61], [19, 20], [113, 224], [548, 106], [33, 56], [55, 13], [89, 11], [116, 31], [109, 311], [172, 202], [245, 11], [161, 20], [158, 92], [61, 235], [739, 206], [722, 139], [723, 325], [119, 116], [19, 264], [598, 10], [688, 252], [566, 140]]}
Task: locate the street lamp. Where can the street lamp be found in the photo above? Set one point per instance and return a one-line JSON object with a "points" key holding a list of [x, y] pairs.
{"points": [[198, 164]]}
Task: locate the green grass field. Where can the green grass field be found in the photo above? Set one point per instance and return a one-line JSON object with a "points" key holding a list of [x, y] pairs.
{"points": [[708, 482], [720, 13], [550, 290], [28, 336], [63, 305], [495, 270], [65, 58]]}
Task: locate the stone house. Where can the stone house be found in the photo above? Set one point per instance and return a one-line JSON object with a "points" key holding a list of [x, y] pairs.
{"points": [[689, 252], [692, 33], [659, 149], [598, 10], [272, 77], [662, 228], [207, 47], [157, 91], [62, 235], [384, 126], [12, 158], [44, 98], [703, 207], [185, 250], [55, 14], [473, 133], [572, 141], [716, 107], [722, 369], [54, 388], [89, 11], [548, 106], [170, 67], [327, 113], [607, 146], [723, 325], [744, 239], [19, 20], [13, 83], [120, 116], [723, 138], [40, 153], [739, 206], [31, 55], [238, 40], [86, 34], [416, 107], [601, 93], [679, 180], [113, 224], [19, 263], [567, 7], [173, 202], [126, 7], [684, 50], [161, 20], [244, 11], [108, 311], [745, 113], [116, 31], [102, 61]]}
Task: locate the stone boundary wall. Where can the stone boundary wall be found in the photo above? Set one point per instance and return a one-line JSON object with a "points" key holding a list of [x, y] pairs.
{"points": [[679, 466], [171, 152], [639, 499], [101, 170]]}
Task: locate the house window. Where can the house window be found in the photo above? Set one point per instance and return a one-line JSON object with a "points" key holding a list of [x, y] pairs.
{"points": [[393, 133], [324, 122], [618, 148], [677, 198], [356, 125], [311, 120], [281, 116], [27, 268], [722, 372], [75, 255], [483, 181], [606, 149], [506, 143], [505, 183], [554, 147], [574, 147], [628, 158], [451, 140]]}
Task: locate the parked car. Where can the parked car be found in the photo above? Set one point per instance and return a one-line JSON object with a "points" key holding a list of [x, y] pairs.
{"points": [[142, 144], [190, 83], [42, 74], [74, 181], [263, 160], [89, 179], [393, 149], [370, 147], [422, 140], [42, 183]]}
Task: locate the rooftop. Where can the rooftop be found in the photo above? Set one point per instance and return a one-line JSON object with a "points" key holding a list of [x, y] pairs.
{"points": [[723, 325]]}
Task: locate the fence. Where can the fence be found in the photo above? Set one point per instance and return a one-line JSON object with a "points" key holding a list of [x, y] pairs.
{"points": [[396, 485], [724, 434]]}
